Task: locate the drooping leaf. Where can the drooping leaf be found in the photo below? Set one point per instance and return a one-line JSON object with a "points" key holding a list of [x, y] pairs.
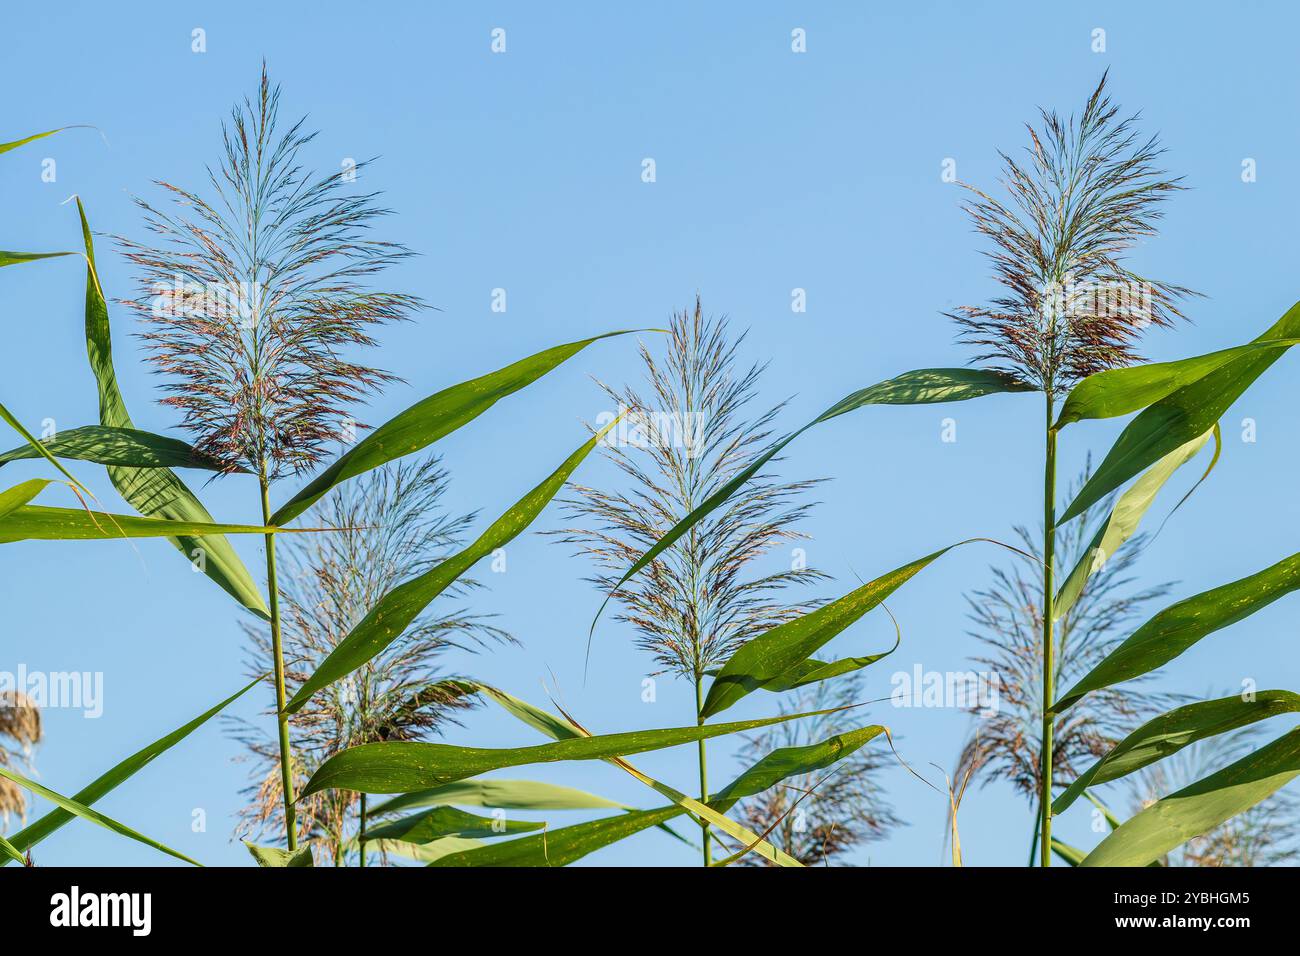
{"points": [[403, 766], [34, 832], [393, 612], [1181, 625], [1123, 521], [36, 522], [1121, 391], [270, 856], [919, 387], [499, 794], [563, 846], [1170, 732], [429, 852], [445, 821], [128, 447], [80, 810], [14, 258], [777, 659], [1180, 416], [432, 419], [11, 499], [1204, 805], [786, 762]]}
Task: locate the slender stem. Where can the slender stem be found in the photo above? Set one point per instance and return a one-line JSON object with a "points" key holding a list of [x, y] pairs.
{"points": [[1033, 844], [361, 838], [281, 718], [704, 769], [1049, 650]]}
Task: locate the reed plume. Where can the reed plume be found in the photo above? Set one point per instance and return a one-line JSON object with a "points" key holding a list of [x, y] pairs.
{"points": [[251, 298], [1089, 188], [392, 525], [691, 429]]}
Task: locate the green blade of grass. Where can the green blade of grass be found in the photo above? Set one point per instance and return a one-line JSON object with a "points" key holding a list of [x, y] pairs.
{"points": [[126, 447]]}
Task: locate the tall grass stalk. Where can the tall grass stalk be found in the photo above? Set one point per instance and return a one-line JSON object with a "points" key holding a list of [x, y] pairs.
{"points": [[691, 430], [252, 296], [1087, 191]]}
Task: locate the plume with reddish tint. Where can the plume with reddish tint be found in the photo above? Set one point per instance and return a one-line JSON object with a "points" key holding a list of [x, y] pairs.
{"points": [[255, 295], [1089, 190]]}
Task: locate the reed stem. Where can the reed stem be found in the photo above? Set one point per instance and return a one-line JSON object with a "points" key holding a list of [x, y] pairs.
{"points": [[1049, 663], [704, 769], [361, 837], [281, 718]]}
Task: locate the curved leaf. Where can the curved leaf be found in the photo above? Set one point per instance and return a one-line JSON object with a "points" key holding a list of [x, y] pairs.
{"points": [[11, 499], [128, 447], [5, 147], [1204, 805], [36, 446], [1120, 391], [1123, 521], [919, 387], [77, 809], [155, 492], [403, 766], [502, 794], [448, 822], [1181, 625], [1180, 416], [431, 419], [778, 658], [1170, 732], [394, 611], [37, 831]]}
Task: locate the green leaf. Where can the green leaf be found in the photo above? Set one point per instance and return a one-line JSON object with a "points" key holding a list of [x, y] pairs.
{"points": [[1181, 416], [1204, 805], [403, 766], [563, 846], [1123, 521], [499, 794], [778, 658], [785, 762], [1181, 625], [1169, 733], [1121, 391], [128, 447], [393, 612], [17, 426], [73, 807], [35, 522], [431, 419], [156, 492], [5, 147], [14, 498], [427, 853], [919, 387], [9, 850], [275, 857], [448, 822], [37, 831], [14, 258]]}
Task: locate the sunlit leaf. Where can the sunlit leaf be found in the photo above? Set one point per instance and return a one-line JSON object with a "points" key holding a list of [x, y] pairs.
{"points": [[431, 419], [442, 822], [502, 794], [128, 447], [36, 522], [1170, 732], [270, 856], [1197, 809]]}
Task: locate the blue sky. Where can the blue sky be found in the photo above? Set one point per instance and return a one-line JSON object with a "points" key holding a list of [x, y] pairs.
{"points": [[522, 171]]}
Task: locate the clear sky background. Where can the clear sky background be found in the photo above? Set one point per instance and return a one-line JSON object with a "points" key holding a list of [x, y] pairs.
{"points": [[775, 170]]}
